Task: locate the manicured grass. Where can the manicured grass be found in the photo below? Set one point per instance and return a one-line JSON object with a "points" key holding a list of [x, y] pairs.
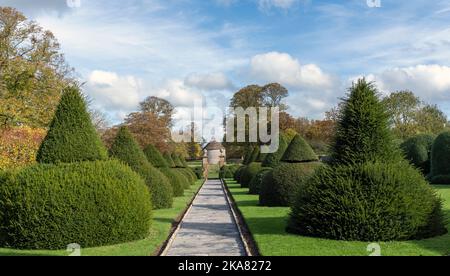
{"points": [[196, 163], [267, 226], [162, 223]]}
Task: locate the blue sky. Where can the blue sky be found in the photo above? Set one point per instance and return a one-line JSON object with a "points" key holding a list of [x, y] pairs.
{"points": [[183, 50]]}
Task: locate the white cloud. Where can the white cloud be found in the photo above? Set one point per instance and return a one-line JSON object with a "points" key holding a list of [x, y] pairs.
{"points": [[430, 82], [33, 8], [209, 81], [178, 93], [282, 4], [112, 93], [283, 68]]}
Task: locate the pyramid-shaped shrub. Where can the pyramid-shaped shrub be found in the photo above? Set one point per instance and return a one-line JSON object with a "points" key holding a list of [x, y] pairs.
{"points": [[177, 161], [126, 149], [71, 137], [183, 181], [179, 167], [440, 160], [158, 161], [77, 195], [370, 192], [299, 163], [154, 157], [417, 150], [170, 162], [273, 159]]}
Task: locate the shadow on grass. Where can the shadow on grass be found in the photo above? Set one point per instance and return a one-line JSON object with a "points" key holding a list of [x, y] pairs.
{"points": [[268, 226], [18, 253], [441, 244]]}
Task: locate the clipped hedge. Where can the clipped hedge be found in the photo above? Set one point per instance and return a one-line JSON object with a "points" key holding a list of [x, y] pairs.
{"points": [[417, 150], [248, 173], [177, 161], [167, 156], [177, 181], [238, 173], [299, 162], [280, 186], [198, 172], [155, 157], [273, 159], [90, 203], [440, 159], [71, 137], [126, 149], [256, 182], [368, 202]]}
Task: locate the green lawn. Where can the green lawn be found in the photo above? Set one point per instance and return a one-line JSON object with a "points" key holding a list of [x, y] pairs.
{"points": [[267, 226], [162, 222]]}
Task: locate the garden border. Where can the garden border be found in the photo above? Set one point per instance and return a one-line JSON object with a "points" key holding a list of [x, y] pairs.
{"points": [[249, 242], [176, 225]]}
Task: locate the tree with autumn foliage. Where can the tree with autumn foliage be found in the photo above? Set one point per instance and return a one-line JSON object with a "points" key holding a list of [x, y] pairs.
{"points": [[33, 71]]}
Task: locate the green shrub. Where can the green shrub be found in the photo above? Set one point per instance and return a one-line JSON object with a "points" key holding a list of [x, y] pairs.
{"points": [[248, 153], [418, 150], [370, 193], [367, 202], [126, 149], [362, 132], [188, 178], [226, 172], [299, 151], [273, 159], [256, 182], [71, 137], [155, 157], [238, 173], [177, 181], [177, 161], [280, 186], [198, 172], [169, 160], [254, 156], [440, 159], [248, 173], [299, 163], [90, 203]]}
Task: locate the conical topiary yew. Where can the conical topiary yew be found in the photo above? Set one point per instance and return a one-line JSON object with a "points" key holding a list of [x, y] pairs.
{"points": [[369, 193], [273, 159], [71, 137], [299, 151], [157, 160], [299, 163], [155, 157], [440, 159], [127, 150], [177, 161], [170, 162], [363, 132]]}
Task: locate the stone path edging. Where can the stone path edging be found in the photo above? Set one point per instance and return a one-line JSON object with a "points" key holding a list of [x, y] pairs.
{"points": [[209, 227]]}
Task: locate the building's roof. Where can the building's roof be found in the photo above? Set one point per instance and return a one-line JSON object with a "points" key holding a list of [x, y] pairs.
{"points": [[213, 145]]}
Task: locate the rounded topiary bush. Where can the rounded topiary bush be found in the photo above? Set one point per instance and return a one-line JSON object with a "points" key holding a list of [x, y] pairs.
{"points": [[248, 173], [126, 149], [177, 161], [177, 181], [417, 150], [174, 177], [440, 159], [367, 202], [238, 173], [370, 192], [256, 182], [188, 178], [90, 203], [198, 172], [299, 162], [71, 137], [280, 186]]}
